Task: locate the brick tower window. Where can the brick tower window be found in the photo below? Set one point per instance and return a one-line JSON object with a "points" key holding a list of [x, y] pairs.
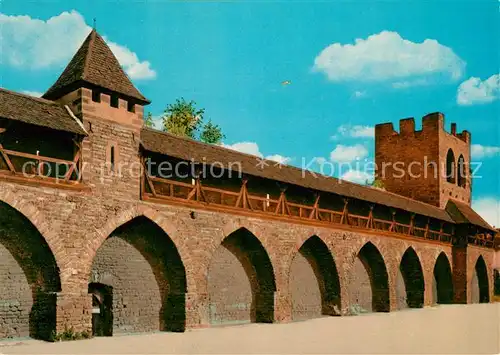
{"points": [[130, 106], [112, 158], [96, 95], [114, 101], [462, 172], [450, 167]]}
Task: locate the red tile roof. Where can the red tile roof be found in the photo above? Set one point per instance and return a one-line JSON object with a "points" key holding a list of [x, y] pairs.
{"points": [[94, 63], [463, 213], [37, 111], [187, 149]]}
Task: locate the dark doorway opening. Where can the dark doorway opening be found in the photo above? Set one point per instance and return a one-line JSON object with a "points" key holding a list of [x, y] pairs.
{"points": [[443, 280], [102, 309], [241, 281], [379, 280], [482, 279], [314, 258], [413, 278]]}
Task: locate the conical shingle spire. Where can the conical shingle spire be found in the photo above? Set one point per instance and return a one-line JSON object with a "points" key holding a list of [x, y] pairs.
{"points": [[94, 63]]}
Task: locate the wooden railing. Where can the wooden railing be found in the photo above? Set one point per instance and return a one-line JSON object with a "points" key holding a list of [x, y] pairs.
{"points": [[26, 166], [165, 189], [483, 239]]}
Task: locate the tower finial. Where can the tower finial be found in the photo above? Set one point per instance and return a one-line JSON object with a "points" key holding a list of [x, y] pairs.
{"points": [[95, 23]]}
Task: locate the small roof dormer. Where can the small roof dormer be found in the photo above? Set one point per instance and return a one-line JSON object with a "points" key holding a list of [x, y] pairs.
{"points": [[95, 65]]}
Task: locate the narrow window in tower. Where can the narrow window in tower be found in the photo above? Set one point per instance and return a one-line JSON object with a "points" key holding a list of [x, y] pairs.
{"points": [[96, 95], [451, 172], [114, 101], [462, 172], [112, 158], [130, 106]]}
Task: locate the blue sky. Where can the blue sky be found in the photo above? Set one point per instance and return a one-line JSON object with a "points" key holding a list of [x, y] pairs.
{"points": [[351, 65]]}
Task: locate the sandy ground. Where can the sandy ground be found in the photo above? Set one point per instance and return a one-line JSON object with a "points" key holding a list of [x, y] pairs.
{"points": [[453, 329]]}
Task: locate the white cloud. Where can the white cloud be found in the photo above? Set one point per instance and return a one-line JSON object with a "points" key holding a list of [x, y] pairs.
{"points": [[32, 93], [131, 63], [356, 131], [348, 153], [474, 91], [358, 177], [158, 122], [252, 148], [489, 209], [479, 151], [359, 94], [245, 147], [36, 44], [387, 56]]}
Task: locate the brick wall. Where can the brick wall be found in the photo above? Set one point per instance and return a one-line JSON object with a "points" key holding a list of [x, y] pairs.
{"points": [[28, 278], [137, 296], [305, 288], [314, 281], [232, 285], [172, 265], [427, 150], [15, 297], [198, 242], [420, 148], [460, 146]]}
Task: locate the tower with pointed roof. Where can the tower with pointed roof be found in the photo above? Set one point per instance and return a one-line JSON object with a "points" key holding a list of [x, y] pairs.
{"points": [[94, 66], [111, 108]]}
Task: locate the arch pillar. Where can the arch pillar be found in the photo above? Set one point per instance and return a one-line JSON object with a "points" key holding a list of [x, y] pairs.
{"points": [[428, 261], [74, 310], [197, 306], [349, 250], [459, 273], [271, 243], [282, 306], [345, 252], [392, 276], [428, 285]]}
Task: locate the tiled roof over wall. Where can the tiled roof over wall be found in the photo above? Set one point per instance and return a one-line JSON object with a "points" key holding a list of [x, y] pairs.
{"points": [[187, 149], [37, 111], [94, 63], [462, 213]]}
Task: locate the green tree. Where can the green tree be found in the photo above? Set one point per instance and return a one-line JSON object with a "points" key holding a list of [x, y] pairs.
{"points": [[376, 183], [184, 119], [148, 120], [211, 133]]}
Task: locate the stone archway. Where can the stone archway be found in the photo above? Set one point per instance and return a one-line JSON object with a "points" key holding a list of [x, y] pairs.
{"points": [[369, 286], [29, 278], [314, 281], [41, 223], [442, 288], [142, 266], [241, 282], [479, 284], [410, 285], [168, 226]]}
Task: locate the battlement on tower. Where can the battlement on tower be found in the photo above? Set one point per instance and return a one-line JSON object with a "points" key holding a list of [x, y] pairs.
{"points": [[430, 164], [432, 122], [93, 103]]}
